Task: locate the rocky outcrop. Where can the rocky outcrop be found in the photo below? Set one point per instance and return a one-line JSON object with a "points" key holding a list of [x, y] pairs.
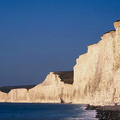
{"points": [[97, 73]]}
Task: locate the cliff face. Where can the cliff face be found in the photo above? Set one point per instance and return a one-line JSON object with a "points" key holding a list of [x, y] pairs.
{"points": [[56, 88], [96, 78], [18, 95], [15, 93], [97, 73], [52, 90], [3, 96]]}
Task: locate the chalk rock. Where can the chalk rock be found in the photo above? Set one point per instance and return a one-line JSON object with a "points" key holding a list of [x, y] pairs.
{"points": [[18, 95], [52, 90], [3, 96], [97, 73]]}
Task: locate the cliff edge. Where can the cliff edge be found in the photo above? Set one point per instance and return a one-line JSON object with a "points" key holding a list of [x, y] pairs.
{"points": [[97, 73]]}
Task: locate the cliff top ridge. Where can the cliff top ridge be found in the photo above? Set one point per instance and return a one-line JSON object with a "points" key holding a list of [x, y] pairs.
{"points": [[7, 89], [65, 76], [116, 23]]}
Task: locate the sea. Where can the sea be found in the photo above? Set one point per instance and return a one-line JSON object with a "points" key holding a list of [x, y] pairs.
{"points": [[43, 111]]}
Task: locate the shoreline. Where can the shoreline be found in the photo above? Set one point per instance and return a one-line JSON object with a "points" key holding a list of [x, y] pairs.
{"points": [[106, 112], [105, 108], [102, 112]]}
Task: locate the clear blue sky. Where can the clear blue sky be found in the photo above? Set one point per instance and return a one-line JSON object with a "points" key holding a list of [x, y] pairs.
{"points": [[41, 36]]}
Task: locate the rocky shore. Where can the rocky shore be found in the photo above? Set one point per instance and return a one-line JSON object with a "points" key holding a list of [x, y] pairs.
{"points": [[106, 112]]}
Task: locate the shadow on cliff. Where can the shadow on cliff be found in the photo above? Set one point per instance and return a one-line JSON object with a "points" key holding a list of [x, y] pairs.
{"points": [[62, 101]]}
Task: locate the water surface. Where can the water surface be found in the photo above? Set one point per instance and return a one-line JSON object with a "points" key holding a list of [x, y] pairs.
{"points": [[38, 111]]}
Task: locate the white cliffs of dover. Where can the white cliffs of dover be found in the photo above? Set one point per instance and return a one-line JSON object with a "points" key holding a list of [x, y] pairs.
{"points": [[95, 78]]}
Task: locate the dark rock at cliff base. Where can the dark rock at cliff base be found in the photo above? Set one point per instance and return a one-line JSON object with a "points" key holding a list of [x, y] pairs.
{"points": [[106, 112], [108, 115], [107, 108]]}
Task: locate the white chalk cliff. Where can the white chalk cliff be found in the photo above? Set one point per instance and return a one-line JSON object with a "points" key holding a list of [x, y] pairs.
{"points": [[56, 88], [52, 90], [95, 80], [97, 73]]}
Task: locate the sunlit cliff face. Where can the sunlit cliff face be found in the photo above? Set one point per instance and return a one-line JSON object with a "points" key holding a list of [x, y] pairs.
{"points": [[56, 88], [96, 78], [96, 73]]}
